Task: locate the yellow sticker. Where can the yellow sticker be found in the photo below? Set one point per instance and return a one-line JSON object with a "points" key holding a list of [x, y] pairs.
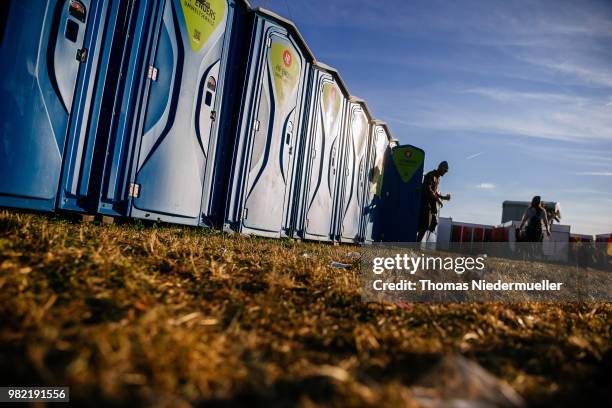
{"points": [[407, 161], [285, 70], [202, 18]]}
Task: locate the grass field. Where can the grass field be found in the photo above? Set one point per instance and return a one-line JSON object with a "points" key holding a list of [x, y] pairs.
{"points": [[165, 315]]}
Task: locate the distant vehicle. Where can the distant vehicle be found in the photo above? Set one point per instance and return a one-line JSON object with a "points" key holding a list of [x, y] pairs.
{"points": [[514, 210]]}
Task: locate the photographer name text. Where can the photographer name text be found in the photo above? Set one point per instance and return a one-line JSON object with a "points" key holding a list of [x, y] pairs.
{"points": [[474, 285]]}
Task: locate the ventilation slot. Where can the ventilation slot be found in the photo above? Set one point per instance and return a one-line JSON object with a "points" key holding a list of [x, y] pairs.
{"points": [[5, 5]]}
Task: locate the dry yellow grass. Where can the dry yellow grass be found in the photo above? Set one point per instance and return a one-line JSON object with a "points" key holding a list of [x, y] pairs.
{"points": [[166, 315]]}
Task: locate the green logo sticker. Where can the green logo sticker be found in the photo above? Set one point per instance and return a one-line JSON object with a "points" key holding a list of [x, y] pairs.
{"points": [[407, 161], [202, 18], [285, 70], [331, 105]]}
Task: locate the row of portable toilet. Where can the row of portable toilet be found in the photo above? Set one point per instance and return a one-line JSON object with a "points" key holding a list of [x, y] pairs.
{"points": [[198, 112]]}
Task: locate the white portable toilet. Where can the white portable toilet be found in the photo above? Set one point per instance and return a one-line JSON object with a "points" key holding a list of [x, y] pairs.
{"points": [[556, 247], [443, 233], [509, 228]]}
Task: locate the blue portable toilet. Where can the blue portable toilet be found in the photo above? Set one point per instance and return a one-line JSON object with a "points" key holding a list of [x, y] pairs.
{"points": [[327, 102], [380, 141], [349, 208], [51, 53], [401, 194], [265, 166], [127, 27], [163, 158]]}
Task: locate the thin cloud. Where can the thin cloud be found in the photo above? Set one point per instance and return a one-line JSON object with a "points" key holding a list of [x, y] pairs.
{"points": [[586, 72], [585, 191], [553, 116], [595, 173], [592, 157], [502, 95], [506, 124], [486, 186]]}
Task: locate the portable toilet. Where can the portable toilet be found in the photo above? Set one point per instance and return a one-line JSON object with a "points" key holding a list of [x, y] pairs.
{"points": [[265, 168], [354, 156], [603, 239], [556, 247], [582, 238], [401, 193], [577, 242], [164, 156], [443, 233], [603, 244], [327, 102], [506, 232], [53, 78], [380, 140], [500, 234]]}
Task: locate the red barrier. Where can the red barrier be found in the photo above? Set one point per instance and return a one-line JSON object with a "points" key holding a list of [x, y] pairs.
{"points": [[488, 234], [466, 234], [456, 234], [478, 235]]}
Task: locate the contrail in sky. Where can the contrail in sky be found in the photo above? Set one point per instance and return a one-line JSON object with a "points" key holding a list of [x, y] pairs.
{"points": [[474, 156]]}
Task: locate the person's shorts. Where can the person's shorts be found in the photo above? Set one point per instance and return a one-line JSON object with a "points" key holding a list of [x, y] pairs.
{"points": [[428, 220], [533, 234]]}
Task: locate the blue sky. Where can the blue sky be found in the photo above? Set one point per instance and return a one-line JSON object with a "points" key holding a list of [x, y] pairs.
{"points": [[516, 95]]}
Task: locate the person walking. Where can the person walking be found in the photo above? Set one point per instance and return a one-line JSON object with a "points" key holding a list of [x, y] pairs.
{"points": [[535, 217], [431, 200]]}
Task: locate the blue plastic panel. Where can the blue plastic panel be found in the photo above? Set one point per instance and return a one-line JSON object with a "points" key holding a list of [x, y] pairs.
{"points": [[357, 134], [401, 194], [94, 110], [180, 111], [375, 172], [38, 75], [322, 156], [127, 102], [264, 164]]}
